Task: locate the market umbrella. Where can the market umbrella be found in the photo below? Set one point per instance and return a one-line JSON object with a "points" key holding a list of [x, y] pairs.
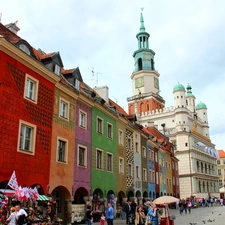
{"points": [[165, 200]]}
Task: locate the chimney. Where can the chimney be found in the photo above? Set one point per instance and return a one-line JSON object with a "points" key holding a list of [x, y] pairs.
{"points": [[103, 91], [13, 27]]}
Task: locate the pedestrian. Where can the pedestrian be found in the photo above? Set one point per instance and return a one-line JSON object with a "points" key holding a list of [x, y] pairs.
{"points": [[181, 205], [140, 216], [21, 215], [128, 212], [102, 221], [185, 206], [153, 213], [133, 209], [189, 205], [12, 218], [110, 214], [89, 214], [124, 205]]}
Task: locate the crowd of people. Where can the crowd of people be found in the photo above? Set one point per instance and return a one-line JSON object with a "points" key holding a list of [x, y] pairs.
{"points": [[133, 214]]}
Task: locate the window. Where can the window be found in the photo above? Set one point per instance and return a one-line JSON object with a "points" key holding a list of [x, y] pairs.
{"points": [[176, 166], [177, 181], [163, 162], [99, 125], [224, 161], [157, 178], [62, 151], [173, 165], [120, 137], [64, 112], [150, 175], [156, 157], [56, 69], [144, 175], [166, 165], [129, 170], [24, 48], [77, 84], [220, 182], [109, 162], [82, 156], [136, 147], [152, 155], [82, 119], [218, 162], [99, 159], [110, 130], [27, 137], [137, 172], [186, 144], [121, 165], [144, 151], [129, 143], [219, 171], [31, 89], [153, 176], [173, 180]]}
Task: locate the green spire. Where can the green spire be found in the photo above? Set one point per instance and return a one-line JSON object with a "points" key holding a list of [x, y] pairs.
{"points": [[142, 27]]}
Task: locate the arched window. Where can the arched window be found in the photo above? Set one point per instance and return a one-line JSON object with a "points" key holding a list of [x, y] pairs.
{"points": [[139, 64], [198, 167], [202, 167], [152, 64], [203, 186], [199, 187]]}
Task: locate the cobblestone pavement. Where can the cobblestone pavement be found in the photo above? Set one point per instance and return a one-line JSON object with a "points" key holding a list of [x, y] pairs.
{"points": [[216, 214]]}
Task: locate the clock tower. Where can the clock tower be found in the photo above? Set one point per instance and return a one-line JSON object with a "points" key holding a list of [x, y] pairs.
{"points": [[145, 79]]}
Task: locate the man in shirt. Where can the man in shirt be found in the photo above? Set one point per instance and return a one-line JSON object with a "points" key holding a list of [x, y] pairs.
{"points": [[21, 213], [153, 214], [128, 212], [110, 214]]}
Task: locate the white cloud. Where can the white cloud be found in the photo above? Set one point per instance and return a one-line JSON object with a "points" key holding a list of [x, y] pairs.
{"points": [[187, 36]]}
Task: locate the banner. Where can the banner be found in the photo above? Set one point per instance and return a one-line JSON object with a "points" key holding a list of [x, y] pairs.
{"points": [[13, 181]]}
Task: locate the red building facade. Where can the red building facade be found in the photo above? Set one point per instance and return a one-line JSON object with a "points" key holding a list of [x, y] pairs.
{"points": [[26, 112]]}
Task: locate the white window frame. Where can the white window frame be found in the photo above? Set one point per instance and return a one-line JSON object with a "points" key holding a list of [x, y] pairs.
{"points": [[137, 171], [31, 150], [84, 157], [109, 133], [57, 69], [129, 143], [144, 153], [157, 177], [137, 147], [129, 170], [82, 119], [101, 159], [77, 84], [65, 161], [144, 174], [156, 157], [99, 128], [121, 165], [28, 80], [120, 135], [109, 164], [64, 113], [150, 175]]}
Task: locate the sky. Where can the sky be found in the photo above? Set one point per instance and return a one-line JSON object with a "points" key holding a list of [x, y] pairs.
{"points": [[100, 35]]}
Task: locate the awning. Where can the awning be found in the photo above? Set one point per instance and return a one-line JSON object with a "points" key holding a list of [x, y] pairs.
{"points": [[8, 192], [43, 198], [222, 190]]}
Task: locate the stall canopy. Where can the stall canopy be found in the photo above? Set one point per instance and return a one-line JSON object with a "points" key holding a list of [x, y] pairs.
{"points": [[8, 192], [222, 190], [43, 198]]}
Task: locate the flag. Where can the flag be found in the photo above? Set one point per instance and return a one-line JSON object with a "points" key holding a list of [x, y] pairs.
{"points": [[13, 181]]}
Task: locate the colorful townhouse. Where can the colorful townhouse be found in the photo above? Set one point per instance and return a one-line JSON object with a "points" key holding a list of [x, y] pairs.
{"points": [[27, 99]]}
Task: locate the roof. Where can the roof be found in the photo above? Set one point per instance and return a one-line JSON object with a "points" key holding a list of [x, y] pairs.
{"points": [[201, 105], [118, 108], [178, 87], [221, 153], [189, 92]]}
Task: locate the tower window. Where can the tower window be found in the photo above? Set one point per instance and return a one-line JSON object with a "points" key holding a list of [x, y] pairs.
{"points": [[177, 97], [140, 64], [152, 64]]}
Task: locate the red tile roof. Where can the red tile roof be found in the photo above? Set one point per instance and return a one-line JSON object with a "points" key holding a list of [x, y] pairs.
{"points": [[119, 109], [63, 71], [8, 34], [221, 153]]}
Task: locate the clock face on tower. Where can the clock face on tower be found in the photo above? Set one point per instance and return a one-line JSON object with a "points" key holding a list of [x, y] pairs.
{"points": [[139, 82], [156, 82]]}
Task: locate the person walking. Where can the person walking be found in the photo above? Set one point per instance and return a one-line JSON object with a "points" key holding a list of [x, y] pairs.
{"points": [[12, 218], [88, 214], [21, 215], [139, 217], [124, 205], [153, 213], [128, 212], [110, 214]]}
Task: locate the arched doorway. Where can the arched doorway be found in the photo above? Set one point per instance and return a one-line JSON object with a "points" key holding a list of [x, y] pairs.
{"points": [[120, 196], [130, 195], [97, 194], [62, 197], [79, 195]]}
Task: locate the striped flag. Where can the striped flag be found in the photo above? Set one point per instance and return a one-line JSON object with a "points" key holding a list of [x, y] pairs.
{"points": [[13, 181]]}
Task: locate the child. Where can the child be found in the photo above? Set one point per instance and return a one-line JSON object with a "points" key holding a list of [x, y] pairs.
{"points": [[102, 221]]}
